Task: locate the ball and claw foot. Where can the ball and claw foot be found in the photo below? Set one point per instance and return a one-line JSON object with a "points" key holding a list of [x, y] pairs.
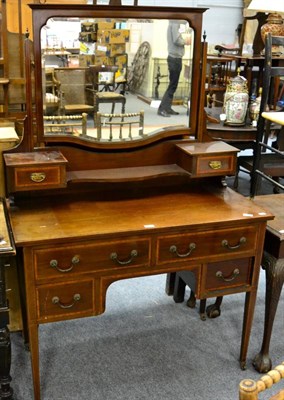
{"points": [[191, 302], [213, 311], [262, 363]]}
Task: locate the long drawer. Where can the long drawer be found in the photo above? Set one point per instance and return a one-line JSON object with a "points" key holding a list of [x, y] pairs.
{"points": [[73, 259], [201, 245]]}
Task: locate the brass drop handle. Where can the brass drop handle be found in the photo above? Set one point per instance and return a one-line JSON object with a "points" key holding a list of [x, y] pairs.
{"points": [[54, 264], [215, 164], [114, 257], [56, 300], [37, 177], [226, 244], [174, 250], [236, 272]]}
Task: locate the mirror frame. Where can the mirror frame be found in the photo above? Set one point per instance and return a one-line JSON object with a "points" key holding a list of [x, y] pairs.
{"points": [[42, 12]]}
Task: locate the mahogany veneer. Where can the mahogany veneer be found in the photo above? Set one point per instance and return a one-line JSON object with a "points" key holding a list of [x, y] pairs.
{"points": [[73, 249]]}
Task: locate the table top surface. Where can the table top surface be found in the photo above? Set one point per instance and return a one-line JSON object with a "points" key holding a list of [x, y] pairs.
{"points": [[273, 203], [198, 208]]}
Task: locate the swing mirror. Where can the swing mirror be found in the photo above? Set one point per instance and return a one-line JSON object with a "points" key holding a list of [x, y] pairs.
{"points": [[70, 40]]}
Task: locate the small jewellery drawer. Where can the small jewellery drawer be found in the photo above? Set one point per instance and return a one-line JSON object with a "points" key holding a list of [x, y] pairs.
{"points": [[37, 170], [214, 165], [80, 258], [39, 178], [55, 301], [184, 247], [227, 274], [207, 158]]}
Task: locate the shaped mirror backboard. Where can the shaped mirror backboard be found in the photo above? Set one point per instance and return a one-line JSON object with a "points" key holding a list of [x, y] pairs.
{"points": [[103, 60]]}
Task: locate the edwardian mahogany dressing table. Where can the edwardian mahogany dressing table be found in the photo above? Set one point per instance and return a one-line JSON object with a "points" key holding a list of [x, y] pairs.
{"points": [[89, 212]]}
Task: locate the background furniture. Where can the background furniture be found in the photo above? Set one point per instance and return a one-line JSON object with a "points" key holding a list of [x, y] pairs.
{"points": [[53, 98], [7, 253], [120, 126], [66, 124], [268, 165], [219, 71], [103, 88], [249, 389], [73, 88], [273, 263]]}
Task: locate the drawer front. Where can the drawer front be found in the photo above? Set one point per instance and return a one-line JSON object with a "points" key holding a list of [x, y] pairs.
{"points": [[227, 274], [56, 301], [214, 165], [35, 178], [72, 259], [185, 247]]}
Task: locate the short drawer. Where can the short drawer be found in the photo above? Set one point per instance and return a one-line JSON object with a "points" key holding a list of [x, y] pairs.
{"points": [[215, 165], [185, 247], [207, 158], [227, 274], [55, 301], [72, 259], [27, 178], [38, 170]]}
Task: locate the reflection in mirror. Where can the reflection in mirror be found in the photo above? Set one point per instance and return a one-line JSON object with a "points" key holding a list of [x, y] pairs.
{"points": [[112, 66]]}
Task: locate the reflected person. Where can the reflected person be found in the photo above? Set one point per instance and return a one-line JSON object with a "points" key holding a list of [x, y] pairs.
{"points": [[176, 50]]}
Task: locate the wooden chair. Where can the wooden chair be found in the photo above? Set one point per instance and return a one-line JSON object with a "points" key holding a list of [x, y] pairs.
{"points": [[268, 164], [73, 86], [120, 126], [249, 389], [103, 88]]}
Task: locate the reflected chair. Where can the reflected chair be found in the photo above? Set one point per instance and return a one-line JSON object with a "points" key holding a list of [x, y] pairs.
{"points": [[103, 88], [73, 86], [249, 389], [120, 126], [52, 92], [65, 124], [268, 160]]}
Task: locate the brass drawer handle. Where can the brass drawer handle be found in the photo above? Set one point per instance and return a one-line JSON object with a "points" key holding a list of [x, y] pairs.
{"points": [[174, 250], [114, 257], [56, 300], [38, 176], [242, 240], [54, 264], [215, 164], [236, 272]]}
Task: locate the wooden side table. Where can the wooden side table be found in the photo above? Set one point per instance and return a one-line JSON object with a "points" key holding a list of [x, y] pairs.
{"points": [[273, 263], [7, 251]]}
